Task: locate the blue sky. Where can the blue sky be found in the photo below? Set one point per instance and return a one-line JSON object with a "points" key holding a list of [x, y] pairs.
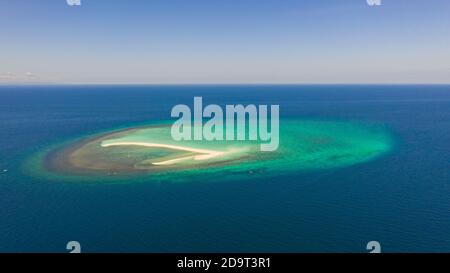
{"points": [[225, 41]]}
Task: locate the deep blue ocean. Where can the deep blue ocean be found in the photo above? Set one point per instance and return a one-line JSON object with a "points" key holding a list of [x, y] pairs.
{"points": [[401, 199]]}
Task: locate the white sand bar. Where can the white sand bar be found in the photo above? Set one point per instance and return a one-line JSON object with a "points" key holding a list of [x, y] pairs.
{"points": [[204, 154]]}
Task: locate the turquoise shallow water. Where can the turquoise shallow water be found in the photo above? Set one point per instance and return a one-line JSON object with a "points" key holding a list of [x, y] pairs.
{"points": [[305, 145], [399, 197]]}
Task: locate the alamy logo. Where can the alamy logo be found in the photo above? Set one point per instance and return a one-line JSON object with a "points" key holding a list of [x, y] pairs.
{"points": [[74, 2], [232, 127], [374, 2]]}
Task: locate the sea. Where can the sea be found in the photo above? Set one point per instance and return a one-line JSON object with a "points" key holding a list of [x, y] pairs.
{"points": [[400, 199]]}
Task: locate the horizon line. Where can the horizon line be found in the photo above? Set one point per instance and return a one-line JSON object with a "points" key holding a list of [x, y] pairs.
{"points": [[207, 83]]}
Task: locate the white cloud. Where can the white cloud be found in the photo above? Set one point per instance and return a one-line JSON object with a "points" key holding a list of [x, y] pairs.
{"points": [[30, 75], [7, 76], [27, 77]]}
